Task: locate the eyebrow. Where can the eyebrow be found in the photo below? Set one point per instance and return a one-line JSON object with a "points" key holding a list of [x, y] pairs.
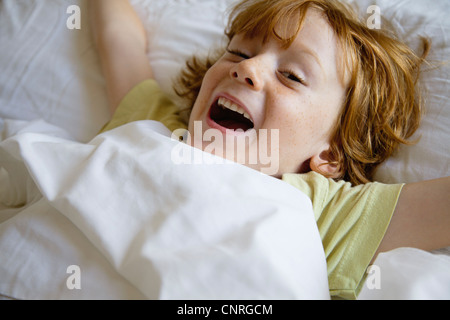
{"points": [[304, 50], [316, 58]]}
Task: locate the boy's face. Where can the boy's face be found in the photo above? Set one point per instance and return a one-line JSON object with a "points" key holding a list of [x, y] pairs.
{"points": [[290, 99]]}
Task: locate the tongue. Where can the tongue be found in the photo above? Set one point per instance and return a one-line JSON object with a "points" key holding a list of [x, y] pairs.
{"points": [[233, 125], [230, 119]]}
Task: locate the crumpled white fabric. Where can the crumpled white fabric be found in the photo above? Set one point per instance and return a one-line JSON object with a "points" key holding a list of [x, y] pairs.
{"points": [[409, 274], [164, 231]]}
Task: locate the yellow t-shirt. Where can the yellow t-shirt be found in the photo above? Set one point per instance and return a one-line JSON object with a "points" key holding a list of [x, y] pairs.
{"points": [[352, 221], [146, 101]]}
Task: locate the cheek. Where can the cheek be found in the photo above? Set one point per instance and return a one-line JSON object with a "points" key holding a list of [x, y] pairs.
{"points": [[209, 83], [215, 74], [294, 116], [202, 98], [303, 124]]}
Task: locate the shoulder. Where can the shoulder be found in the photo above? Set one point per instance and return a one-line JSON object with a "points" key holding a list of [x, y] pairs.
{"points": [[335, 196], [146, 101]]}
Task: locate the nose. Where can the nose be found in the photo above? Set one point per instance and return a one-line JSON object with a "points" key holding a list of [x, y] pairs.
{"points": [[248, 72]]}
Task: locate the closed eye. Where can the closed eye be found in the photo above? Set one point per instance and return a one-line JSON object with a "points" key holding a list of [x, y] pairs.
{"points": [[238, 53], [293, 77]]}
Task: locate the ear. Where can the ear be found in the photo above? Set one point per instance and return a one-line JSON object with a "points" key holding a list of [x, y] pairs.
{"points": [[324, 164]]}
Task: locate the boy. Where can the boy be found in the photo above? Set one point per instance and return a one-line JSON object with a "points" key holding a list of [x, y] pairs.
{"points": [[307, 69]]}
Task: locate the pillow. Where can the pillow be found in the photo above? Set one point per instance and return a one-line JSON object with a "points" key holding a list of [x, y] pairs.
{"points": [[410, 20], [179, 28], [50, 72]]}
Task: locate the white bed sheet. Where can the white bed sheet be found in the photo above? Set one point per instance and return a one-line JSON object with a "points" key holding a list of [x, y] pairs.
{"points": [[52, 73], [171, 231]]}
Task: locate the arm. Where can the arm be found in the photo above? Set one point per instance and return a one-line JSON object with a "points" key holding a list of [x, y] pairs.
{"points": [[421, 218], [122, 46]]}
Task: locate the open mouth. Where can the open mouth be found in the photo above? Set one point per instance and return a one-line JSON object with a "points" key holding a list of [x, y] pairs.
{"points": [[230, 116]]}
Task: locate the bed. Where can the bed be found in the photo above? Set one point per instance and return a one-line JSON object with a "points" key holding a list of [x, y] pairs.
{"points": [[74, 225]]}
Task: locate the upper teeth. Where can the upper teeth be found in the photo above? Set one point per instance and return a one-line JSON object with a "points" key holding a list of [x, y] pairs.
{"points": [[225, 103]]}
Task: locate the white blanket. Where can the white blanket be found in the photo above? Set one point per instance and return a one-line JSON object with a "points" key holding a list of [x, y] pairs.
{"points": [[120, 215]]}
